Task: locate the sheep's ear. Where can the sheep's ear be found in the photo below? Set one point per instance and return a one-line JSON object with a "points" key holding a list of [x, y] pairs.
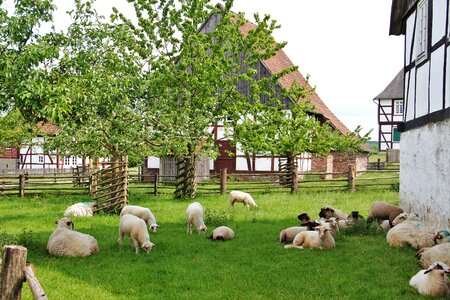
{"points": [[428, 271], [337, 219], [56, 222]]}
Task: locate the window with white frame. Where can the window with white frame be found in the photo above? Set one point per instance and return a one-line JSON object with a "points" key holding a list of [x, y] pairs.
{"points": [[398, 107], [74, 160], [41, 158], [66, 160], [422, 30]]}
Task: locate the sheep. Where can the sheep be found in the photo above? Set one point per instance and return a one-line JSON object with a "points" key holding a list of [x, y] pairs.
{"points": [[287, 235], [328, 212], [412, 233], [80, 209], [405, 216], [143, 213], [432, 281], [384, 225], [383, 211], [222, 233], [194, 216], [136, 229], [429, 255], [318, 239], [333, 225], [245, 198], [304, 217], [442, 236], [353, 218], [64, 241]]}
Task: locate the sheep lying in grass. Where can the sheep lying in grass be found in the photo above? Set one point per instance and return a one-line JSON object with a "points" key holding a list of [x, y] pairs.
{"points": [[64, 241], [413, 233], [194, 216], [287, 235], [304, 217], [381, 211], [80, 209], [432, 281], [136, 229], [243, 197], [404, 217], [429, 255], [141, 212], [333, 225], [442, 236], [222, 233], [318, 239], [328, 212]]}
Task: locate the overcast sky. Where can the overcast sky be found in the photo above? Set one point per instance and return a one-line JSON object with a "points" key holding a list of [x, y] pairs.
{"points": [[344, 46]]}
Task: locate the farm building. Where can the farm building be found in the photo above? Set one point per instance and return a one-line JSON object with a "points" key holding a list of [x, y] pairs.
{"points": [[239, 161], [425, 130]]}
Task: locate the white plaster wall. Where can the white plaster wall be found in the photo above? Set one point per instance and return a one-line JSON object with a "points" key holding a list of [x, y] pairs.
{"points": [[422, 90], [436, 82], [409, 95], [425, 172], [447, 86], [439, 18], [408, 38]]}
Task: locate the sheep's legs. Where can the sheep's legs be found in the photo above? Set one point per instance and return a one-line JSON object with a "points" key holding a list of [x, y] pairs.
{"points": [[189, 227], [120, 240], [135, 244]]}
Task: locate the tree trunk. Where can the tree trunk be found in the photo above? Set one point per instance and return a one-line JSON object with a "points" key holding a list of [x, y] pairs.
{"points": [[186, 185], [292, 171]]}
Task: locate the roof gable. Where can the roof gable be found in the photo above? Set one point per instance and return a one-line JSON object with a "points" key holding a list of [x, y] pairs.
{"points": [[394, 90]]}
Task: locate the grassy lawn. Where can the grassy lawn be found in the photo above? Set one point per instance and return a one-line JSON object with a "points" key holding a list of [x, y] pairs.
{"points": [[252, 266]]}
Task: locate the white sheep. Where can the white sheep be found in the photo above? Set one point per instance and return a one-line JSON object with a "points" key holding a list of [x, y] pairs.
{"points": [[141, 212], [80, 209], [432, 281], [353, 218], [64, 241], [194, 216], [380, 211], [429, 255], [222, 233], [416, 234], [320, 238], [405, 216], [136, 229], [442, 236], [328, 212], [333, 225], [243, 197], [287, 235]]}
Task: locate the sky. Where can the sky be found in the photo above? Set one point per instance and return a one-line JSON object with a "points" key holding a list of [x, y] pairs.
{"points": [[343, 46]]}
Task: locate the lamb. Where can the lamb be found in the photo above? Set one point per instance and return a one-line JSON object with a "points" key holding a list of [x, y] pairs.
{"points": [[143, 213], [245, 198], [136, 229], [333, 225], [328, 212], [287, 235], [194, 216], [80, 209], [432, 281], [318, 239], [222, 233], [429, 255], [383, 211], [353, 218], [442, 236], [405, 216], [64, 241], [412, 233]]}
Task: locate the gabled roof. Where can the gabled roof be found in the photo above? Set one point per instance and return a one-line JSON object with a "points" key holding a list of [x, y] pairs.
{"points": [[394, 90], [47, 128], [398, 10], [281, 61]]}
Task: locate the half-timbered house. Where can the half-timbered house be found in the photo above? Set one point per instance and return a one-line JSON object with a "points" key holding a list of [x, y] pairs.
{"points": [[425, 130]]}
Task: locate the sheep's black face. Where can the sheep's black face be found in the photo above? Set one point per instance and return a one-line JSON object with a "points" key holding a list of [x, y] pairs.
{"points": [[304, 217], [326, 212], [355, 214]]}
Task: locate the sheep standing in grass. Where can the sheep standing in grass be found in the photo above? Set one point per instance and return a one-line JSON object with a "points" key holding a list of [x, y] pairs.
{"points": [[222, 233], [243, 197], [429, 255], [64, 241], [141, 212], [432, 281], [136, 229], [80, 209], [318, 239], [287, 235], [328, 212], [413, 233], [194, 216], [381, 211]]}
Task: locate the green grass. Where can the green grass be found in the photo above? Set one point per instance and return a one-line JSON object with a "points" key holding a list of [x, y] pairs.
{"points": [[252, 266]]}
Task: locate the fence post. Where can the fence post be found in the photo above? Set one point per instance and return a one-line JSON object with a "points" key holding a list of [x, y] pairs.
{"points": [[155, 185], [378, 164], [223, 181], [352, 177], [35, 286], [13, 272], [21, 185]]}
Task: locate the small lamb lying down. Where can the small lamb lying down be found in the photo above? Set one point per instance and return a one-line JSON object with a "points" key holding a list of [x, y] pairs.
{"points": [[80, 209], [222, 233], [432, 281]]}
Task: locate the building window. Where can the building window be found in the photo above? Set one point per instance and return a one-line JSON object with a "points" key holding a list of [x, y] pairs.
{"points": [[422, 30], [74, 160], [66, 160], [41, 158], [398, 107], [395, 135]]}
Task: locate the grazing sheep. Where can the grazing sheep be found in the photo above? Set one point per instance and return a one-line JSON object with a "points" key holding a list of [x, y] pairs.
{"points": [[405, 216], [222, 233], [328, 212], [141, 212], [194, 216], [80, 209], [318, 239], [432, 281], [64, 241], [287, 235], [442, 236], [429, 255], [136, 229], [383, 211], [245, 198], [412, 233]]}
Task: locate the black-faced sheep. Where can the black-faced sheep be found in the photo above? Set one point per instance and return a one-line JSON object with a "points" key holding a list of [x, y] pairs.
{"points": [[141, 212], [194, 216], [64, 241], [432, 281], [80, 209], [413, 233], [381, 211], [304, 217], [429, 255], [222, 233], [136, 229], [328, 212], [287, 235], [320, 238], [243, 197]]}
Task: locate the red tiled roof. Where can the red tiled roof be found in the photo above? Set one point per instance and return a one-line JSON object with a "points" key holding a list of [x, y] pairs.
{"points": [[47, 128]]}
